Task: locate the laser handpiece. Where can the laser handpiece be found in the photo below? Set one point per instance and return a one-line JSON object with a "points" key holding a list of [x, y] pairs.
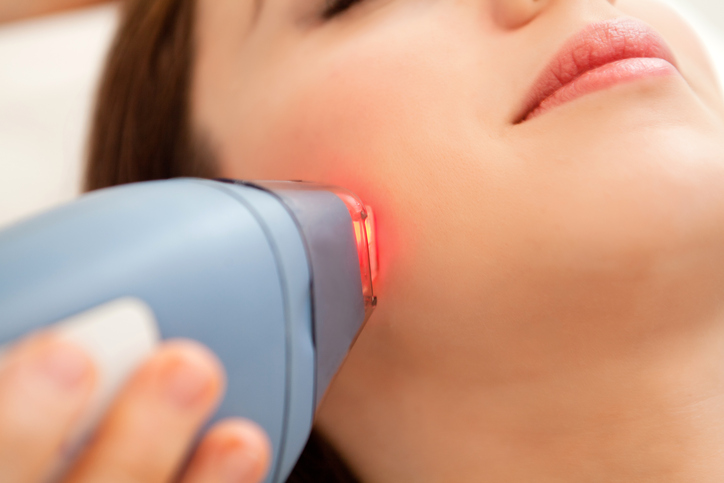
{"points": [[275, 277]]}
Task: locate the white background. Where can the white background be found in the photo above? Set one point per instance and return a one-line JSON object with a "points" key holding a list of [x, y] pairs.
{"points": [[48, 71]]}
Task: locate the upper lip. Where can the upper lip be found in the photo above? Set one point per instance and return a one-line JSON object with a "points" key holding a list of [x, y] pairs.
{"points": [[594, 46]]}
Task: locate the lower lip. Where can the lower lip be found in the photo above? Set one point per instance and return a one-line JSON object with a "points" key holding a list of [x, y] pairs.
{"points": [[603, 77]]}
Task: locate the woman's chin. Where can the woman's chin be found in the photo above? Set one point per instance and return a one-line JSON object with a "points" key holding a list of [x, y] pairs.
{"points": [[661, 198], [632, 174]]}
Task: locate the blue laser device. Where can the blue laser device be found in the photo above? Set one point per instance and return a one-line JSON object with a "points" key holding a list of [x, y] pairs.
{"points": [[275, 277]]}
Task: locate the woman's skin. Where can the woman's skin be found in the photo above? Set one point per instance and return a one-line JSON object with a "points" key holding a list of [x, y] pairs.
{"points": [[14, 10], [551, 292]]}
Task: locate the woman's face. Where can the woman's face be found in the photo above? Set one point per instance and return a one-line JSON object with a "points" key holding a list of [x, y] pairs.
{"points": [[520, 245]]}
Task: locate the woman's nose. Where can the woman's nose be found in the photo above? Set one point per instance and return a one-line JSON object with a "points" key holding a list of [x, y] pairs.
{"points": [[512, 14]]}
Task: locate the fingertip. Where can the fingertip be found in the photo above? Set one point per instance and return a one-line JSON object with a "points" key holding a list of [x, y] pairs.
{"points": [[250, 435], [188, 373], [237, 451], [69, 365], [197, 353], [46, 356]]}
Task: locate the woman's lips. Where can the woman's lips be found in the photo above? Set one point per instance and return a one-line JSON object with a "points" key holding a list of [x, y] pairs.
{"points": [[600, 56]]}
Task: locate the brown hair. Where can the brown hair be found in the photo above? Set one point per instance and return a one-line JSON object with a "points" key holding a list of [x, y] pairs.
{"points": [[142, 131]]}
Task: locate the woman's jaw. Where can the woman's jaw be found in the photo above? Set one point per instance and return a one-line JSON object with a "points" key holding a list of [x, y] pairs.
{"points": [[550, 291]]}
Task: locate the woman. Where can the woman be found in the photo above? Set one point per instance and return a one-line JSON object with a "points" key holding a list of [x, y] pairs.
{"points": [[548, 180]]}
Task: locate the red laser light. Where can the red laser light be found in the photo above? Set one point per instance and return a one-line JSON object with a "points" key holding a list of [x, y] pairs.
{"points": [[364, 232], [363, 223]]}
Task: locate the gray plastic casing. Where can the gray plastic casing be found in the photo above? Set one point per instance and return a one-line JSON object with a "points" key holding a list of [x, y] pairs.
{"points": [[268, 279]]}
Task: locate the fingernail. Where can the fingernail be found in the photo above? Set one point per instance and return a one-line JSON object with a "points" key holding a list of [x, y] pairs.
{"points": [[64, 364], [186, 380], [239, 462]]}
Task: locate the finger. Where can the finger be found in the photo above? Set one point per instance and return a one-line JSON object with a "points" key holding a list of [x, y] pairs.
{"points": [[149, 430], [44, 385], [234, 451]]}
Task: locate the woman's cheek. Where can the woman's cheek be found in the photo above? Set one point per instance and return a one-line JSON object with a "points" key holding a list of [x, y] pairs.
{"points": [[351, 130]]}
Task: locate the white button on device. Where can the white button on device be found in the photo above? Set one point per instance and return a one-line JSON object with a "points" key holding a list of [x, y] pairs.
{"points": [[119, 336]]}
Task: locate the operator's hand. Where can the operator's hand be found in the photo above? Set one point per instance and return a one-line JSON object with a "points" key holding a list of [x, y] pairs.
{"points": [[45, 385]]}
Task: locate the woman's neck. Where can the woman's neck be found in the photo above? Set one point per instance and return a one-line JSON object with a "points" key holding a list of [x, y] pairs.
{"points": [[651, 411]]}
